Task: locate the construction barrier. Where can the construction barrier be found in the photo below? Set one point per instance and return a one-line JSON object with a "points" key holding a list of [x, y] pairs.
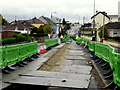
{"points": [[51, 42], [105, 52], [14, 53]]}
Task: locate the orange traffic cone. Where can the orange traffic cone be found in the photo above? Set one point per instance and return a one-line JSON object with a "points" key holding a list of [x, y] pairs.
{"points": [[45, 47], [41, 49]]}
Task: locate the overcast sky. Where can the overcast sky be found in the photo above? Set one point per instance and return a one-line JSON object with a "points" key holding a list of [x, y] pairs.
{"points": [[73, 10]]}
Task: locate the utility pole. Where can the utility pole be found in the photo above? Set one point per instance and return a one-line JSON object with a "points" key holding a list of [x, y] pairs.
{"points": [[95, 32], [103, 34], [83, 23]]}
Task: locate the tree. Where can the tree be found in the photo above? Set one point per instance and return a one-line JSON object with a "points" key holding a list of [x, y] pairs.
{"points": [[4, 21], [47, 29], [63, 22], [103, 34]]}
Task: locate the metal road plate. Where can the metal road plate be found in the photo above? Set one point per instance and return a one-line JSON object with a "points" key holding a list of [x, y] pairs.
{"points": [[74, 57], [60, 46], [54, 82], [78, 69], [75, 53], [74, 48], [47, 74]]}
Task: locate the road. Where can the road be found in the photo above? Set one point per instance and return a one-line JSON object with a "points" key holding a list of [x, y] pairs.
{"points": [[59, 62]]}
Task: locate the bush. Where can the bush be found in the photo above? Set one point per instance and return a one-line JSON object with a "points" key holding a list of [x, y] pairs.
{"points": [[22, 37], [39, 34], [47, 29], [8, 41]]}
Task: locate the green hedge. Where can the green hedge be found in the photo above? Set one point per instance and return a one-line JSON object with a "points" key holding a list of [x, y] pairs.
{"points": [[16, 39], [39, 35], [8, 41]]}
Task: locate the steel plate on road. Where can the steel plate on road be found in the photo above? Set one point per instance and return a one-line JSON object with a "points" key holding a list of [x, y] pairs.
{"points": [[54, 79]]}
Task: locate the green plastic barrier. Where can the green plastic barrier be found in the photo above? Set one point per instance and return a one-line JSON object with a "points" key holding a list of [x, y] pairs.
{"points": [[79, 40], [100, 50], [86, 42], [12, 54], [116, 71], [51, 42], [3, 59], [91, 46]]}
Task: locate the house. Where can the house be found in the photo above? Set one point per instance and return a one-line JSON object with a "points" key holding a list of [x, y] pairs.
{"points": [[100, 19], [46, 20], [55, 19], [35, 22], [15, 27], [113, 18], [113, 29], [86, 29], [8, 31]]}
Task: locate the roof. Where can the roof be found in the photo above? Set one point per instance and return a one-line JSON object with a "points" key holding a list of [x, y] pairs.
{"points": [[86, 25], [47, 20], [8, 27], [104, 13], [35, 21], [113, 16], [20, 25], [113, 25]]}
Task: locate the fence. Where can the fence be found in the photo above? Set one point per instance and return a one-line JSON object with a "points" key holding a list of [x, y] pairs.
{"points": [[51, 42], [12, 54], [105, 52]]}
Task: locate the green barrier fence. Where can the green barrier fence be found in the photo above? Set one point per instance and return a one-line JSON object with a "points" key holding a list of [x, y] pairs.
{"points": [[106, 52], [51, 42], [79, 40], [116, 71], [12, 54], [3, 59], [91, 46]]}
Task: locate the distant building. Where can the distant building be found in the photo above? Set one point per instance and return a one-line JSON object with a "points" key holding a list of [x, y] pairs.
{"points": [[56, 19], [119, 11], [35, 22], [113, 18], [18, 26], [99, 19], [46, 20], [113, 29]]}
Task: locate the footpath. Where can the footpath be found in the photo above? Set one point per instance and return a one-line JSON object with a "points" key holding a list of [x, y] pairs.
{"points": [[112, 43]]}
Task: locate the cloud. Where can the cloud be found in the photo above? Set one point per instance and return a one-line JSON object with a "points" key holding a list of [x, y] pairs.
{"points": [[70, 9]]}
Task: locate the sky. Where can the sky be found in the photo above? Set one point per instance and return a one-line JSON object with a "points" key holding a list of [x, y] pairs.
{"points": [[72, 10]]}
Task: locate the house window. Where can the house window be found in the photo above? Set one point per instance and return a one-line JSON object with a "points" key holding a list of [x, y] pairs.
{"points": [[115, 32]]}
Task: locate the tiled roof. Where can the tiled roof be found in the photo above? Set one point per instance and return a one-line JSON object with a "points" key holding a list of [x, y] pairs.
{"points": [[34, 21], [8, 27], [47, 20], [20, 25], [113, 25]]}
